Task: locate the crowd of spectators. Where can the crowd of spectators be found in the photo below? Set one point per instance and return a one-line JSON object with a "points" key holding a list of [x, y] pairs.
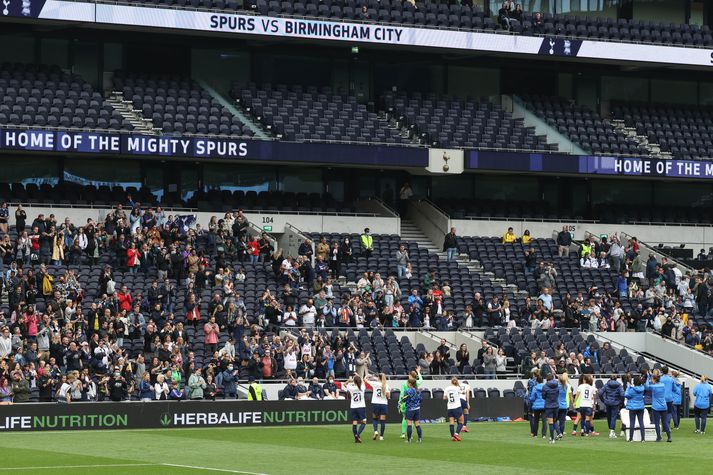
{"points": [[144, 305]]}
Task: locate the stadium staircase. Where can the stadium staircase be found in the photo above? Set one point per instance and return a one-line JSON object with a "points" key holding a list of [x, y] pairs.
{"points": [[236, 111], [653, 148], [517, 107], [406, 131], [126, 109], [410, 231]]}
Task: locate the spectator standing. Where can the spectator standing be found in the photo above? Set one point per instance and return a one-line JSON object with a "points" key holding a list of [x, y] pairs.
{"points": [[211, 330], [564, 241], [306, 250], [450, 244], [362, 364], [616, 254], [489, 363], [20, 388], [367, 243], [4, 216], [405, 195], [196, 385], [322, 248], [20, 219], [462, 357], [402, 260]]}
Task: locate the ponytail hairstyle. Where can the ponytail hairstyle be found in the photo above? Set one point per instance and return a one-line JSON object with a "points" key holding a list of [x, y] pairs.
{"points": [[536, 373], [656, 376], [382, 380], [454, 381], [637, 380], [413, 374], [538, 377], [412, 382], [588, 379], [357, 381], [564, 380], [704, 378]]}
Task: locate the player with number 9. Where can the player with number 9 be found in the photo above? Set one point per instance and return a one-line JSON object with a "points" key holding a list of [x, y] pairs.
{"points": [[586, 394]]}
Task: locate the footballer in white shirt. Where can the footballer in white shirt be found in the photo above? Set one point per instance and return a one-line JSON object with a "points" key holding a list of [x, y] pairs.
{"points": [[357, 405], [465, 403], [452, 395], [379, 404]]}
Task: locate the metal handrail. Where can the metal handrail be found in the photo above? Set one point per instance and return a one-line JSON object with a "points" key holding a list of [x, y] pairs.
{"points": [[659, 254], [680, 342], [649, 356], [441, 210]]}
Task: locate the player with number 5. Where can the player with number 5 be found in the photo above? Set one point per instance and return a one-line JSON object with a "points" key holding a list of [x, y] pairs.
{"points": [[379, 404], [355, 387], [455, 410]]}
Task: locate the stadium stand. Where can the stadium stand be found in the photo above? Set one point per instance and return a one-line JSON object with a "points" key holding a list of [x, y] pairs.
{"points": [[46, 96], [682, 131], [584, 126], [311, 114], [144, 288], [465, 17], [446, 122], [178, 105]]}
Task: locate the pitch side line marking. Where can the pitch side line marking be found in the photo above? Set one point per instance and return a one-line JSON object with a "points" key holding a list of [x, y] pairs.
{"points": [[85, 466], [210, 469]]}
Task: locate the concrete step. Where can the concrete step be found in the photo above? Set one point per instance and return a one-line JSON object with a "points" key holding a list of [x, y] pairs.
{"points": [[134, 117]]}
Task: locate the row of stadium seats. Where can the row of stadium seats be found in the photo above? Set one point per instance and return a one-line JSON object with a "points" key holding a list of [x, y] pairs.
{"points": [[298, 114], [49, 97], [46, 96], [448, 122], [464, 17], [178, 105], [684, 131], [583, 126]]}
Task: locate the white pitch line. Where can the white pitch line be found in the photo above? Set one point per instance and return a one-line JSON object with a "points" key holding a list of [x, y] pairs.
{"points": [[210, 469], [84, 466]]}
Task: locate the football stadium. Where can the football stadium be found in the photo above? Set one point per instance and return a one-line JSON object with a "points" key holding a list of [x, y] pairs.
{"points": [[382, 236]]}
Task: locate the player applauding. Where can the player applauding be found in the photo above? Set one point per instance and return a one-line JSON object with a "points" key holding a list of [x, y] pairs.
{"points": [[412, 400], [379, 404]]}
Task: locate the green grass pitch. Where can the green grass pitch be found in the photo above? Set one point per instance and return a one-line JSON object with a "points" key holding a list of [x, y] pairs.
{"points": [[489, 448]]}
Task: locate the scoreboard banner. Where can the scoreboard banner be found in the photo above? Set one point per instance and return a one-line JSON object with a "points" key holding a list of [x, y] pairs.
{"points": [[245, 24]]}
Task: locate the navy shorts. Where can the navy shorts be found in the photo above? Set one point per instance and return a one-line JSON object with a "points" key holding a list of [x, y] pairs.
{"points": [[358, 413], [551, 412], [455, 413], [463, 404], [585, 411], [379, 409], [413, 415]]}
